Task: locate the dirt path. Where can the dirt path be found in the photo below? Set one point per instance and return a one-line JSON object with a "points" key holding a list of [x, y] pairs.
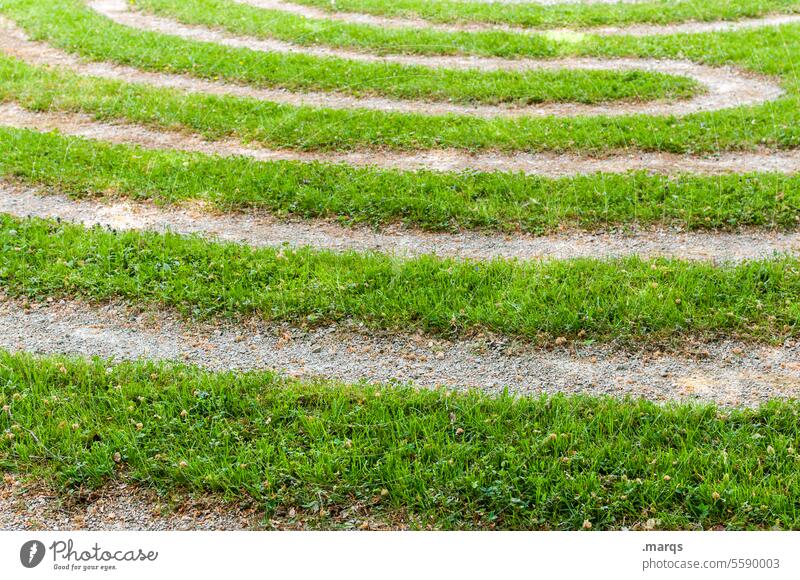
{"points": [[724, 87], [691, 27], [260, 229], [726, 373]]}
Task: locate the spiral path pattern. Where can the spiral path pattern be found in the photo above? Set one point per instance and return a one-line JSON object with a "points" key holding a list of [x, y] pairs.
{"points": [[317, 198]]}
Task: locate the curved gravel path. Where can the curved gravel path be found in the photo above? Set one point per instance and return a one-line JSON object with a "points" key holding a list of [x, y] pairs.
{"points": [[260, 229], [543, 164], [726, 373], [691, 27], [725, 87]]}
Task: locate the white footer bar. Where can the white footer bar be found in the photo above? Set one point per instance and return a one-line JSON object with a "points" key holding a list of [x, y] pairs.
{"points": [[407, 555]]}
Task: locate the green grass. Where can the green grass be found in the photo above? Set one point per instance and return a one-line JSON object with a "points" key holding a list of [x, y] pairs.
{"points": [[606, 300], [432, 201], [424, 458], [69, 24], [533, 15]]}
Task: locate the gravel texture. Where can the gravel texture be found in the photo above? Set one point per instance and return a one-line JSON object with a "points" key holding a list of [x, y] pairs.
{"points": [[725, 87], [261, 229], [727, 373], [121, 504], [544, 164], [691, 27], [117, 506]]}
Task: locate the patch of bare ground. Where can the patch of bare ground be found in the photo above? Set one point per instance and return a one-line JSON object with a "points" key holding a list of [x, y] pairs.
{"points": [[574, 35], [259, 228], [727, 373], [121, 504], [118, 505], [544, 163]]}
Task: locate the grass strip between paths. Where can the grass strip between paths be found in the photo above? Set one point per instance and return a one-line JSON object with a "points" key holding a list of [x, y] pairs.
{"points": [[242, 19], [429, 200], [607, 300], [577, 14], [419, 458]]}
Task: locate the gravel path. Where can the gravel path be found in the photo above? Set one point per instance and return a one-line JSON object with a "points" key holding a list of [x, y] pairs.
{"points": [[117, 506], [543, 164], [261, 229], [691, 27], [725, 87], [726, 373]]}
